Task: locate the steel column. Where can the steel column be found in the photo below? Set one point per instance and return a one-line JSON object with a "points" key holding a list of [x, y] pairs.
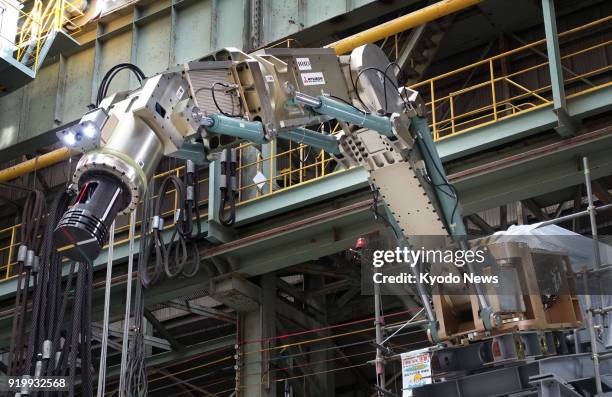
{"points": [[565, 126], [257, 378]]}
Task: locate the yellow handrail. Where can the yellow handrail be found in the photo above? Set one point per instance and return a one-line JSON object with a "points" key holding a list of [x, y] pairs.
{"points": [[40, 23], [453, 112]]}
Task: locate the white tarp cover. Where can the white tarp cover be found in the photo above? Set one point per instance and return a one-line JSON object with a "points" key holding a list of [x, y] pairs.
{"points": [[580, 250]]}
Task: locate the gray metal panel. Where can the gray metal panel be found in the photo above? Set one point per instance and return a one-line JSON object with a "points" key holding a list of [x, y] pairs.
{"points": [[193, 34], [13, 74]]}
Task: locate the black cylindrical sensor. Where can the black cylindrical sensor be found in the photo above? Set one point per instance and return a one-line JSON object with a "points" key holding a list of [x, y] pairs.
{"points": [[83, 230]]}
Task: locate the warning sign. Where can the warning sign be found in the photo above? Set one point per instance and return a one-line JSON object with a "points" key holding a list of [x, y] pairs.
{"points": [[416, 370]]}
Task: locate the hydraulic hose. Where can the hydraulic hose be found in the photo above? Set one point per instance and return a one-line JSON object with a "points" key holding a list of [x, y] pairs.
{"points": [[178, 256], [27, 264]]}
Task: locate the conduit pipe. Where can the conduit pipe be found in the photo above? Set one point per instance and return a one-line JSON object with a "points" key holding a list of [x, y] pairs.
{"points": [[37, 163], [405, 22]]}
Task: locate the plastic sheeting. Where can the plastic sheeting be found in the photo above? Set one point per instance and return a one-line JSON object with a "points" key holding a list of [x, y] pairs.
{"points": [[580, 249], [581, 253]]}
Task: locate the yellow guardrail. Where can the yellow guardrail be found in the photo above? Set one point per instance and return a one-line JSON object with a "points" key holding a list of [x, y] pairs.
{"points": [[37, 24], [453, 112]]}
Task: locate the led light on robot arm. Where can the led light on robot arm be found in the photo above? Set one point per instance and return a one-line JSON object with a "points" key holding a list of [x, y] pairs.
{"points": [[85, 135]]}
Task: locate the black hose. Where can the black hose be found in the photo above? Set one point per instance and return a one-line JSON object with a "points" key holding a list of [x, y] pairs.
{"points": [[228, 194], [54, 344], [31, 219], [179, 256], [111, 73]]}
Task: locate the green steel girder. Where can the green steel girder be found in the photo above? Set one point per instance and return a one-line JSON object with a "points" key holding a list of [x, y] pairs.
{"points": [[162, 359], [566, 126], [534, 172]]}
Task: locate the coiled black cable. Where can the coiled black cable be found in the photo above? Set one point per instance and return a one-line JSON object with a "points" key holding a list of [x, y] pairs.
{"points": [[214, 98], [136, 383], [179, 256], [228, 194], [176, 247]]}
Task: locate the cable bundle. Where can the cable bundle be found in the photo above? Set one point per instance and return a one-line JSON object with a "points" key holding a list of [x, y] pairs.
{"points": [[55, 344], [172, 259], [27, 265], [108, 77], [228, 186], [136, 382]]}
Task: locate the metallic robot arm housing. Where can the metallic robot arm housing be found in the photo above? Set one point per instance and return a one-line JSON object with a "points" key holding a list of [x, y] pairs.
{"points": [[230, 97]]}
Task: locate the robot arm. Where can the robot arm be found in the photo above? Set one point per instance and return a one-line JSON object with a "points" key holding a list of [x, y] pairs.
{"points": [[271, 93], [122, 142]]}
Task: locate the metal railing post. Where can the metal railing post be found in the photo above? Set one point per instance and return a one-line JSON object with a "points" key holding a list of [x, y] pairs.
{"points": [[493, 96], [10, 253], [433, 110]]}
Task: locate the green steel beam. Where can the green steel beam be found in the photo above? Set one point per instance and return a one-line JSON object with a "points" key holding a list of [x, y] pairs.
{"points": [[163, 359], [554, 54], [566, 126], [534, 171]]}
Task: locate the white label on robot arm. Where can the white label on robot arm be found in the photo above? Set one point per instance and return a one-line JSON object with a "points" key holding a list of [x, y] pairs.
{"points": [[314, 78], [303, 63], [179, 93]]}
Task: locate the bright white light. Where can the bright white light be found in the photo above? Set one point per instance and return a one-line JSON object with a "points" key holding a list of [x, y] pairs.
{"points": [[89, 130], [69, 139]]}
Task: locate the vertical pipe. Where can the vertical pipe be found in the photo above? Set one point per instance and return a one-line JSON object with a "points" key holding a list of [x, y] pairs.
{"points": [[272, 164], [593, 338], [554, 54], [107, 290], [301, 163], [494, 100], [176, 198], [322, 163], [378, 322], [591, 209], [291, 163], [433, 110], [597, 264], [128, 302], [452, 112], [10, 254]]}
